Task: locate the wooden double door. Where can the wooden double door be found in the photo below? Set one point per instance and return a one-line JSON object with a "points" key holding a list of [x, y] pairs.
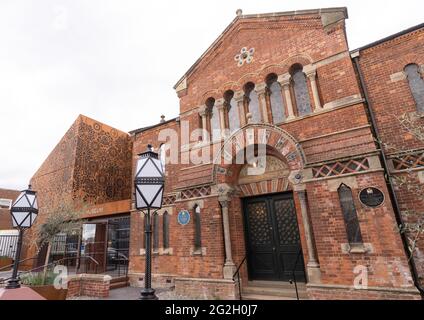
{"points": [[273, 245]]}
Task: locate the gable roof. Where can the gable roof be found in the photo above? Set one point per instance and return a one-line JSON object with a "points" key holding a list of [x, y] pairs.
{"points": [[328, 17]]}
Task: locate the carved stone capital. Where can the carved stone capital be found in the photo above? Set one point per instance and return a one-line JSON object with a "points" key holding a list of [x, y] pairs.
{"points": [[260, 88], [310, 71], [284, 79], [238, 96], [203, 111], [224, 191], [219, 103]]}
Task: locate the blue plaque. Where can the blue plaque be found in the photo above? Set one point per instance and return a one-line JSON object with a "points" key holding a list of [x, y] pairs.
{"points": [[183, 217]]}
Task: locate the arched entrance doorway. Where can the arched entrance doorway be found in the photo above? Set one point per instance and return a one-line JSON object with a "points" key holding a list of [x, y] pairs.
{"points": [[269, 214], [273, 246]]}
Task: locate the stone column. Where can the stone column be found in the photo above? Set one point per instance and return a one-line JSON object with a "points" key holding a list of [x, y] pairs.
{"points": [[224, 199], [239, 97], [260, 90], [203, 115], [311, 73], [313, 270], [284, 81], [221, 109]]}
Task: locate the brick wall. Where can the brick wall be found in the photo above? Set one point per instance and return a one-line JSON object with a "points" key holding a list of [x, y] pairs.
{"points": [[390, 96], [89, 285], [5, 217]]}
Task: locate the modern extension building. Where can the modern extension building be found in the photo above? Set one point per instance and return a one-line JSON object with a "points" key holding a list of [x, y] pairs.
{"points": [[281, 156]]}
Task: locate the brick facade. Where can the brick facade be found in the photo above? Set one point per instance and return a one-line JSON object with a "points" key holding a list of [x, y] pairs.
{"points": [[390, 96], [315, 154], [5, 218]]}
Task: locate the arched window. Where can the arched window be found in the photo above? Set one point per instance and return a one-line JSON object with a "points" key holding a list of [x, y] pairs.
{"points": [[233, 113], [275, 99], [252, 101], [214, 119], [349, 214], [162, 155], [416, 85], [165, 222], [301, 93], [197, 230], [155, 231]]}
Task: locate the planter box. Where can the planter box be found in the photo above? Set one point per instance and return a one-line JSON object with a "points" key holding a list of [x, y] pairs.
{"points": [[50, 293]]}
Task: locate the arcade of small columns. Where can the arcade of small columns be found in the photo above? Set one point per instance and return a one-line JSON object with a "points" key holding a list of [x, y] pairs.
{"points": [[285, 81]]}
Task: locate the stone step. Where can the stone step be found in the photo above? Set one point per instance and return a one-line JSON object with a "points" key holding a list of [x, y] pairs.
{"points": [[277, 292], [277, 289], [276, 284], [119, 282], [119, 279], [263, 297], [117, 285]]}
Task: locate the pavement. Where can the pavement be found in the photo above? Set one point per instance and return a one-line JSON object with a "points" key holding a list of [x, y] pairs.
{"points": [[133, 293]]}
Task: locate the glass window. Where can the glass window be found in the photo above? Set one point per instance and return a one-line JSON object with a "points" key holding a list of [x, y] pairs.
{"points": [[416, 85], [233, 114], [253, 102], [301, 93], [162, 155], [349, 214], [197, 232], [214, 119], [276, 100], [155, 231], [165, 230]]}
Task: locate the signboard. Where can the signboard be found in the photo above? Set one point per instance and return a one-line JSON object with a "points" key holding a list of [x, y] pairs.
{"points": [[183, 217], [371, 197]]}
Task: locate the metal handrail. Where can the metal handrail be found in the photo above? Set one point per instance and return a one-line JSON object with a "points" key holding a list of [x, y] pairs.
{"points": [[51, 264], [11, 265], [238, 275], [294, 274]]}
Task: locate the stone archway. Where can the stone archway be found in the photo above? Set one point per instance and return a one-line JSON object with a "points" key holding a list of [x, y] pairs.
{"points": [[253, 137], [228, 165]]}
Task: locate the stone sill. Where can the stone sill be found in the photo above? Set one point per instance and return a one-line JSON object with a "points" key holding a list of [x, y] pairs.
{"points": [[356, 248], [158, 252]]}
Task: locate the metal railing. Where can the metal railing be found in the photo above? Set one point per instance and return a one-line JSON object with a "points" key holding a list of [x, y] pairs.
{"points": [[9, 266], [237, 273], [293, 272], [53, 264]]}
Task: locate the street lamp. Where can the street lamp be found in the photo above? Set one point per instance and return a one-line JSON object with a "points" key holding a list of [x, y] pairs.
{"points": [[149, 182], [24, 211]]}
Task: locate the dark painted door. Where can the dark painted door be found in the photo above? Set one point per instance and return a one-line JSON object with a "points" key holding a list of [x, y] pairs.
{"points": [[272, 237]]}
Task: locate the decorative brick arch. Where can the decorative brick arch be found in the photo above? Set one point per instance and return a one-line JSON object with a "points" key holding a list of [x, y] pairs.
{"points": [[302, 59], [209, 94], [277, 69], [279, 141]]}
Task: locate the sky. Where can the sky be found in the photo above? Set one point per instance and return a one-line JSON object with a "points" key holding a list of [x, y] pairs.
{"points": [[117, 61]]}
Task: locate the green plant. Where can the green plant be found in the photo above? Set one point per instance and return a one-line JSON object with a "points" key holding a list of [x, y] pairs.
{"points": [[38, 278]]}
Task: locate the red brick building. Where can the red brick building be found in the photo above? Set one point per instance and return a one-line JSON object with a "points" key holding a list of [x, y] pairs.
{"points": [[276, 156]]}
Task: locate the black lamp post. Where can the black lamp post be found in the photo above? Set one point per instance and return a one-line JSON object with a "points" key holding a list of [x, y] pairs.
{"points": [[149, 182], [24, 211]]}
